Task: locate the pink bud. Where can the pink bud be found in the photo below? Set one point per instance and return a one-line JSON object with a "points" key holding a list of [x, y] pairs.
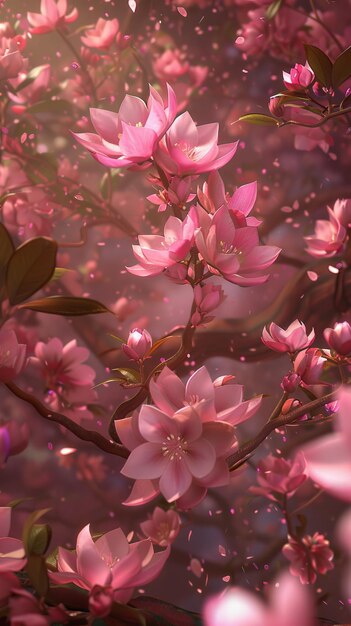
{"points": [[138, 345], [339, 338], [290, 382], [100, 601]]}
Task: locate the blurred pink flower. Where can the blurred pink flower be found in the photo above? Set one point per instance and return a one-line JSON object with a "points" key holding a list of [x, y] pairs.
{"points": [[189, 149], [342, 212], [232, 252], [279, 476], [102, 34], [138, 345], [339, 338], [12, 355], [329, 458], [309, 364], [343, 532], [207, 299], [163, 527], [300, 76], [14, 438], [155, 253], [129, 137], [63, 365], [308, 557], [290, 340], [12, 555], [290, 382], [8, 582], [26, 610], [328, 239], [110, 561], [11, 60], [52, 15], [28, 215], [290, 605], [31, 93]]}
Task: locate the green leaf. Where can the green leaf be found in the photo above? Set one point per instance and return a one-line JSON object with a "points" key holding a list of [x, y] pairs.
{"points": [[39, 538], [66, 305], [320, 64], [129, 374], [31, 76], [6, 251], [342, 68], [259, 118], [37, 574], [110, 380], [273, 9], [59, 272], [29, 523], [30, 267]]}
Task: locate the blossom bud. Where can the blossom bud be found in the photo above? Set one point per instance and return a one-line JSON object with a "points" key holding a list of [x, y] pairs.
{"points": [[138, 345], [290, 382], [100, 601], [339, 338], [300, 76], [207, 299]]}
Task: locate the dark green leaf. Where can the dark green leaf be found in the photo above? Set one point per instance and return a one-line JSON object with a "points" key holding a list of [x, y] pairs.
{"points": [[320, 64], [6, 251], [66, 305], [273, 9], [129, 374], [37, 574], [29, 523], [39, 538], [30, 267], [259, 118], [342, 68]]}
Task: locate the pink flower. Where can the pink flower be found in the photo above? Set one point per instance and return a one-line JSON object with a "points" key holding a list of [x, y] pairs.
{"points": [[28, 215], [63, 365], [11, 60], [189, 149], [344, 539], [110, 561], [155, 253], [207, 299], [342, 212], [12, 355], [32, 92], [102, 34], [100, 601], [290, 605], [290, 382], [183, 455], [329, 458], [213, 196], [328, 239], [309, 557], [232, 252], [8, 582], [129, 137], [12, 555], [300, 76], [52, 15], [309, 364], [162, 528], [177, 194], [339, 338], [26, 610], [138, 345], [290, 340], [279, 476], [220, 399]]}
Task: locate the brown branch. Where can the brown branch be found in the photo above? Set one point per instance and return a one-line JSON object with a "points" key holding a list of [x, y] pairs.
{"points": [[52, 416], [250, 446]]}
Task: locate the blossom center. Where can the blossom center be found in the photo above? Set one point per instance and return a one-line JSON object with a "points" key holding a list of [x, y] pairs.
{"points": [[174, 447]]}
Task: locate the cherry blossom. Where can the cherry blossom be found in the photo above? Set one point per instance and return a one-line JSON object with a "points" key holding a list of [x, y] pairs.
{"points": [[309, 556], [328, 239], [102, 34], [52, 15], [277, 476], [339, 338], [300, 76], [138, 345], [290, 340], [162, 527]]}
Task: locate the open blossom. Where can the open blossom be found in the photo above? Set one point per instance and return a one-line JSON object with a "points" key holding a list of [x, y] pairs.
{"points": [[213, 196], [53, 14], [279, 476], [231, 251], [290, 605], [102, 34], [342, 212], [189, 149], [163, 527], [12, 355], [339, 338], [129, 137], [179, 454], [309, 557], [329, 458], [299, 76], [328, 239], [12, 556], [138, 345], [155, 253], [290, 340], [309, 364], [63, 365], [11, 60], [110, 561], [207, 299]]}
